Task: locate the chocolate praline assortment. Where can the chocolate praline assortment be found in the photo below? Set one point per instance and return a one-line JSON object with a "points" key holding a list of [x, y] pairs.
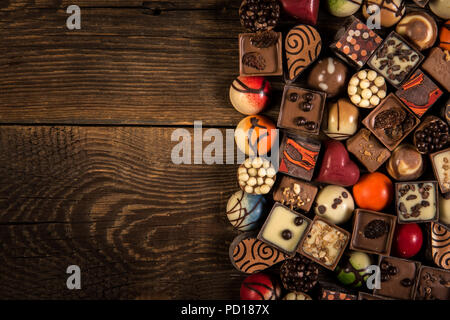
{"points": [[356, 43], [302, 47], [260, 54], [298, 156], [301, 110], [295, 193], [390, 11], [405, 163], [417, 201], [398, 278], [259, 15], [437, 65], [366, 148], [433, 284], [419, 28], [328, 75], [419, 93], [391, 121], [340, 120], [284, 229], [366, 89], [373, 232], [431, 135], [395, 59]]}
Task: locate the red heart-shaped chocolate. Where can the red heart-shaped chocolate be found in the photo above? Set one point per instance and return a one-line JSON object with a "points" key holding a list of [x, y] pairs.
{"points": [[337, 168], [305, 11]]}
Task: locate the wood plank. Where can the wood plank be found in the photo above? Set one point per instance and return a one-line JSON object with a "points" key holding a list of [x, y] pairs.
{"points": [[110, 200]]}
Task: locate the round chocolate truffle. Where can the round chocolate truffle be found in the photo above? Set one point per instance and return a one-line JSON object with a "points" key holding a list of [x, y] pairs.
{"points": [[444, 209], [419, 28], [444, 36], [335, 204], [405, 163], [343, 8], [259, 15], [260, 286], [255, 135], [328, 75], [441, 8], [250, 95], [296, 296], [390, 11], [352, 269], [256, 176], [366, 89], [245, 210], [341, 119]]}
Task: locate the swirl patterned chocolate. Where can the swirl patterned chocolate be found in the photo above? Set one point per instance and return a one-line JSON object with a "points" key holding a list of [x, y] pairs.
{"points": [[302, 46], [440, 246], [250, 255]]}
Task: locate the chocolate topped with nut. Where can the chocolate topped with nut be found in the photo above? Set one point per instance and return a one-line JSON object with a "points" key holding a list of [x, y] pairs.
{"points": [[398, 278], [295, 193], [391, 121], [395, 59], [259, 15], [417, 201]]}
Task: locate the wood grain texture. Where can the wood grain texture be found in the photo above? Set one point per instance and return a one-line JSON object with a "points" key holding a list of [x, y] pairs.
{"points": [[111, 201]]}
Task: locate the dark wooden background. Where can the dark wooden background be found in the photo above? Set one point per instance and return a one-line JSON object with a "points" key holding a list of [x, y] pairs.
{"points": [[86, 118]]}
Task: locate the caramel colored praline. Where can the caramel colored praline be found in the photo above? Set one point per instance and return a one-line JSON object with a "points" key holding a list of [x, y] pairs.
{"points": [[405, 163], [419, 28]]}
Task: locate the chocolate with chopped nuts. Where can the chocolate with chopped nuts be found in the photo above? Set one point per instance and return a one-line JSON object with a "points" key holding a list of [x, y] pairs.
{"points": [[391, 121], [259, 15], [260, 54], [395, 59], [372, 232], [417, 201], [295, 193], [398, 278], [301, 110]]}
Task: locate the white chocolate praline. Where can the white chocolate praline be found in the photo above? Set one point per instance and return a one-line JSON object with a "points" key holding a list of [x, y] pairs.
{"points": [[334, 204], [444, 210], [324, 242], [297, 296], [282, 219], [441, 162], [413, 198], [341, 120], [366, 89], [256, 176]]}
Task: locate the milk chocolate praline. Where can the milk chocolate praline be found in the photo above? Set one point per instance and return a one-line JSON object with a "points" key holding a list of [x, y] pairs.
{"points": [[405, 163], [328, 75], [419, 28], [390, 11]]}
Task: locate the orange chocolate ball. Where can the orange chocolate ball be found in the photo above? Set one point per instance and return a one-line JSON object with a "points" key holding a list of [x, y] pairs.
{"points": [[255, 135], [373, 191], [444, 36]]}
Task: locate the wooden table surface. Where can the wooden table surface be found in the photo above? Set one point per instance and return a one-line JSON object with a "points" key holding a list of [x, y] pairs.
{"points": [[86, 118]]}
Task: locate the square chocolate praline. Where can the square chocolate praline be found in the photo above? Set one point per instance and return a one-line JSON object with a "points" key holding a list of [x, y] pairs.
{"points": [[395, 59], [324, 243], [301, 110], [284, 229], [356, 43], [433, 284], [368, 296], [417, 202], [366, 148], [391, 121], [295, 193], [441, 166], [260, 60], [298, 156], [336, 294], [373, 232], [437, 65], [398, 278], [419, 93]]}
